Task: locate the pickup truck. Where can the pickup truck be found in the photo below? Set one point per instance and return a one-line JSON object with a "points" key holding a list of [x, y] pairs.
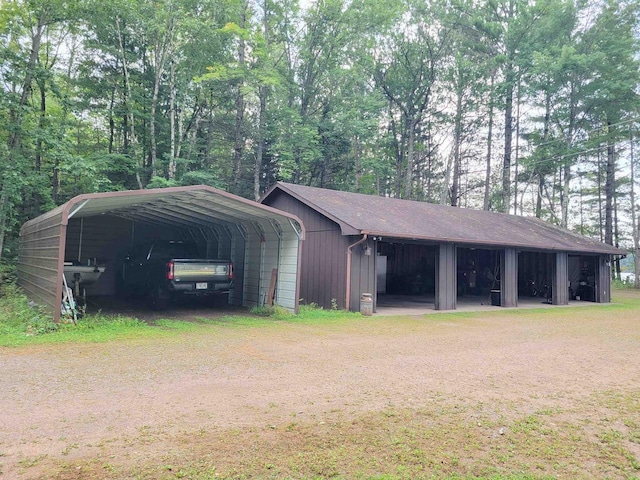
{"points": [[163, 270]]}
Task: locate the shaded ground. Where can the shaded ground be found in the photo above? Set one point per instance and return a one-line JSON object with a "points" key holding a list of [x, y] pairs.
{"points": [[188, 309], [552, 392]]}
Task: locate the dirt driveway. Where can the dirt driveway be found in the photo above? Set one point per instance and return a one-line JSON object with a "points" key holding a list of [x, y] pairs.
{"points": [[136, 402]]}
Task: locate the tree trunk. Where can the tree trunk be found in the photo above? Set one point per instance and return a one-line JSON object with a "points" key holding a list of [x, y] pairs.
{"points": [[566, 190], [539, 197], [41, 123], [635, 221], [152, 123], [599, 179], [262, 94], [609, 190], [171, 173], [238, 147], [616, 239], [128, 100], [408, 175], [260, 142], [457, 140], [487, 177], [515, 177], [508, 136]]}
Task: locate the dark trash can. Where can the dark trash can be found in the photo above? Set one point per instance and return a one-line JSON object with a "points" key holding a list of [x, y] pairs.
{"points": [[495, 298]]}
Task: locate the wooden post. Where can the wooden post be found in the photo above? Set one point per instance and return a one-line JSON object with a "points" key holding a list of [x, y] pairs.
{"points": [[446, 277], [272, 286]]}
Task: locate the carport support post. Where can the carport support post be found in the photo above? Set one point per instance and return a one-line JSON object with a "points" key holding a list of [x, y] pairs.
{"points": [[560, 283], [446, 277], [509, 277]]}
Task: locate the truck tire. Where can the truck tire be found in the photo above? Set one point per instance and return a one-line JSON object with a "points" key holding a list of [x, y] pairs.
{"points": [[159, 299]]}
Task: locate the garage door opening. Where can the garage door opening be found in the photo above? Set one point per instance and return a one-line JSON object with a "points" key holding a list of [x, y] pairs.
{"points": [[478, 276], [583, 278], [93, 237], [405, 275], [535, 277]]}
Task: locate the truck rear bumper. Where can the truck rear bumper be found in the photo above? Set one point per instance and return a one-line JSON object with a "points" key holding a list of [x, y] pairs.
{"points": [[200, 288]]}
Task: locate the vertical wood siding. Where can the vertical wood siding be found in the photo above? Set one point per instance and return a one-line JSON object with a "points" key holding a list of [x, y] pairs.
{"points": [[560, 284], [509, 277], [603, 279], [324, 254], [446, 277], [363, 272]]}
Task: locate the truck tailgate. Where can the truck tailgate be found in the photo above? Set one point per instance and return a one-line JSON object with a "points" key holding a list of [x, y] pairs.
{"points": [[185, 271]]}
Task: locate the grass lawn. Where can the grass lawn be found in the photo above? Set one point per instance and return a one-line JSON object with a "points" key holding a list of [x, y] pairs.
{"points": [[516, 394]]}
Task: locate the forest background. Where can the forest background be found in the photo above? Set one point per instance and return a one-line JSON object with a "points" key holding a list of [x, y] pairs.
{"points": [[526, 107]]}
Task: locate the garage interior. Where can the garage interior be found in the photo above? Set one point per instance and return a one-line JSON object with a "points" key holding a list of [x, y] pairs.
{"points": [[405, 274], [97, 231]]}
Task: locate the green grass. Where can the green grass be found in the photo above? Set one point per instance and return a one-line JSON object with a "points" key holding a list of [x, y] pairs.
{"points": [[22, 323]]}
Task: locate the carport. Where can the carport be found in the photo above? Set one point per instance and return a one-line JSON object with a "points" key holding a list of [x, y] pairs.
{"points": [[100, 228]]}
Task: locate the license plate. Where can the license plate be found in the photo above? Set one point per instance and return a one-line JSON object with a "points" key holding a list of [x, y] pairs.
{"points": [[201, 285]]}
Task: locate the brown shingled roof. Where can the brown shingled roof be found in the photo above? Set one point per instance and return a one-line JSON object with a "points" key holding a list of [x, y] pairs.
{"points": [[391, 217]]}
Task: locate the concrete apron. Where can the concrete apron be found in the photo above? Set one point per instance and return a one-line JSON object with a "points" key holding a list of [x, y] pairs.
{"points": [[397, 305]]}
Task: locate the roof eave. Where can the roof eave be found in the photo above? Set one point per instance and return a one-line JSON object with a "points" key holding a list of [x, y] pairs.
{"points": [[607, 250], [345, 228]]}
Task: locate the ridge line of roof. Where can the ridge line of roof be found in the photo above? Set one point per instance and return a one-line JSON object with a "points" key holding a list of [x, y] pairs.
{"points": [[283, 186]]}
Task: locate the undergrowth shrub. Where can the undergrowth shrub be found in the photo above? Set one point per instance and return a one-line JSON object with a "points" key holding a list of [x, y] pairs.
{"points": [[270, 311], [19, 315]]}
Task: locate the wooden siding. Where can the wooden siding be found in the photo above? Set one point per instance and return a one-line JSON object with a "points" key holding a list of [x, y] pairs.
{"points": [[363, 272], [560, 279], [509, 277], [603, 279], [323, 254], [446, 277]]}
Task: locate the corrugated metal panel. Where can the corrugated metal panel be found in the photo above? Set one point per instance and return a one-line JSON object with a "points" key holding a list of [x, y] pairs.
{"points": [[509, 278], [446, 277], [238, 247], [270, 256], [287, 291], [323, 268], [252, 270], [38, 261], [560, 284]]}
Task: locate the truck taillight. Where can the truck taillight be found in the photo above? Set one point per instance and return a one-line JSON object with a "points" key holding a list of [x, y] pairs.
{"points": [[170, 270], [230, 271]]}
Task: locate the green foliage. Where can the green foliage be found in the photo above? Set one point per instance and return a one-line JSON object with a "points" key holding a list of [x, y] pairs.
{"points": [[353, 95], [20, 318], [275, 311], [160, 182]]}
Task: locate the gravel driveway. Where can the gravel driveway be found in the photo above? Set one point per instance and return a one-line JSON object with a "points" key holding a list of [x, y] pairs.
{"points": [[75, 401]]}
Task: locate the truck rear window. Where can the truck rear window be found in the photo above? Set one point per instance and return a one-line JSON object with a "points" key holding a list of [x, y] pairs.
{"points": [[175, 250]]}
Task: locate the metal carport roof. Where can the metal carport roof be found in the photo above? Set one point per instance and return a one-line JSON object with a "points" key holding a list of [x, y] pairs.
{"points": [[272, 237]]}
